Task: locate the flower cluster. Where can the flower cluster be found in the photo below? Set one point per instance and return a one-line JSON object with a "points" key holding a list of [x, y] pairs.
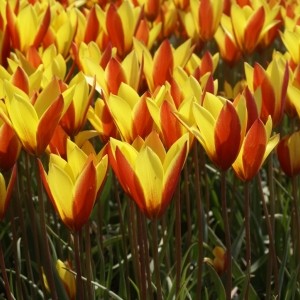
{"points": [[134, 84]]}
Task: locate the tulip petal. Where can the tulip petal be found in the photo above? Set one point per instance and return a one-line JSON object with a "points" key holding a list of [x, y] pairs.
{"points": [[61, 187], [149, 171], [227, 138], [84, 195], [24, 120], [47, 124]]}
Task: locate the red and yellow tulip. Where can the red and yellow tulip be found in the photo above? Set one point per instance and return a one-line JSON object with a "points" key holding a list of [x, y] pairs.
{"points": [[221, 143], [35, 119], [130, 113], [273, 83], [257, 145], [73, 184], [147, 172]]}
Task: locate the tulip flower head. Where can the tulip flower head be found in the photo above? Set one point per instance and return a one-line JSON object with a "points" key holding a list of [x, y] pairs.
{"points": [[68, 279], [218, 128], [273, 83], [288, 154], [73, 184], [34, 120], [256, 146], [147, 172]]}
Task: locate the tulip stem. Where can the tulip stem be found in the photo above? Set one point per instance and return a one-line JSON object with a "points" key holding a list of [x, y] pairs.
{"points": [[271, 240], [4, 274], [199, 217], [48, 263], [248, 237], [89, 272], [155, 259], [79, 282], [178, 239], [295, 214], [227, 236], [141, 256]]}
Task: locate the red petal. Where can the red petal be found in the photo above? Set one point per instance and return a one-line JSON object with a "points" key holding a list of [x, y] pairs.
{"points": [[92, 26], [162, 64], [254, 149], [114, 75], [20, 80], [170, 125], [253, 30], [205, 19], [227, 136], [171, 183], [48, 123], [43, 28], [84, 196], [115, 29]]}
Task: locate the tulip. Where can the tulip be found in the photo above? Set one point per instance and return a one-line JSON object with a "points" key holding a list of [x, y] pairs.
{"points": [[130, 113], [288, 154], [109, 79], [256, 146], [120, 24], [221, 143], [148, 34], [5, 191], [273, 83], [203, 19], [62, 28], [37, 21], [102, 120], [147, 172], [226, 41], [75, 117], [73, 184], [34, 120], [163, 108], [159, 69], [250, 25], [65, 274]]}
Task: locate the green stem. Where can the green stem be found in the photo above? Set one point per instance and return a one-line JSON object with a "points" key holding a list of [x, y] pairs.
{"points": [[199, 218], [48, 261], [248, 237], [227, 236], [178, 239], [4, 275], [124, 244], [155, 260], [271, 245], [79, 282], [296, 218], [89, 272], [146, 254], [141, 256], [15, 252]]}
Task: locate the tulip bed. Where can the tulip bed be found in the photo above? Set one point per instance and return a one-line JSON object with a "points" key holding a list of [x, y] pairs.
{"points": [[149, 149]]}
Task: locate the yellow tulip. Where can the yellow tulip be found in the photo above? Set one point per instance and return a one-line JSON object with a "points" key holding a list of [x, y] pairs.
{"points": [[147, 172], [73, 184]]}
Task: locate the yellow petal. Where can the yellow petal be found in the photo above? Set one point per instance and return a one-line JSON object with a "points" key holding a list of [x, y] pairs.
{"points": [[24, 119], [149, 171], [61, 187]]}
